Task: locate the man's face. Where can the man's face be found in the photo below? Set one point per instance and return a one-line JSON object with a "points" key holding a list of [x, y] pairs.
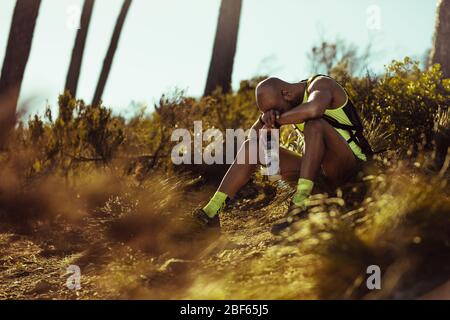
{"points": [[275, 102], [284, 105]]}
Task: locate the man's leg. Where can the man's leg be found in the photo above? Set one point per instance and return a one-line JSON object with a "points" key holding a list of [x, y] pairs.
{"points": [[240, 173], [324, 148], [237, 176]]}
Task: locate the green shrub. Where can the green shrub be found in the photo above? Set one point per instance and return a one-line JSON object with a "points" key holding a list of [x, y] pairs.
{"points": [[404, 101]]}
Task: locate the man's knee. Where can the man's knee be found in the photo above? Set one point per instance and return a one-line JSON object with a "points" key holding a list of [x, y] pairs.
{"points": [[316, 125]]}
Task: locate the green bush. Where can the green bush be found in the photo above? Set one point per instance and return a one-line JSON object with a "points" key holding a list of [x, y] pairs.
{"points": [[79, 134], [404, 102]]}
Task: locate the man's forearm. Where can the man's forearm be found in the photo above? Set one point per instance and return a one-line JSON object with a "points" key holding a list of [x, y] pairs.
{"points": [[319, 100], [300, 114]]}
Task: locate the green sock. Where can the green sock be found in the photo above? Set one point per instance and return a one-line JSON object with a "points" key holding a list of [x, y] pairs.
{"points": [[216, 204], [304, 189]]}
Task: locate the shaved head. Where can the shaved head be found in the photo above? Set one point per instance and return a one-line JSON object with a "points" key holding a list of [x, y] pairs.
{"points": [[276, 94], [268, 93]]}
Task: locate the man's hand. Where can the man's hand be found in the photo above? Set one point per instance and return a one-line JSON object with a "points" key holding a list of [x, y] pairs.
{"points": [[269, 118]]}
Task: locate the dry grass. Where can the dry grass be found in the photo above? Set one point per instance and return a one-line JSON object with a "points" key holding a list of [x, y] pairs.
{"points": [[138, 244]]}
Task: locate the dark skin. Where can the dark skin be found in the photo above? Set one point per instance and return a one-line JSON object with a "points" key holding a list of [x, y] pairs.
{"points": [[325, 149]]}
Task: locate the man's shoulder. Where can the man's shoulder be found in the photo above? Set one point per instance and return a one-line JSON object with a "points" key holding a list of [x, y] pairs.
{"points": [[321, 82], [326, 83]]}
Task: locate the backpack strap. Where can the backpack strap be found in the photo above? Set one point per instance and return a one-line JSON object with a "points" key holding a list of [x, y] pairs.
{"points": [[356, 133], [351, 129]]}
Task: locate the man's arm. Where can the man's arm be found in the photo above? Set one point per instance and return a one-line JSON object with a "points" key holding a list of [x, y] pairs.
{"points": [[319, 100]]}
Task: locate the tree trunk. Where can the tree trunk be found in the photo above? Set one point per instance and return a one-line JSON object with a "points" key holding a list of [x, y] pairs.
{"points": [[78, 50], [222, 61], [107, 63], [441, 46], [16, 58]]}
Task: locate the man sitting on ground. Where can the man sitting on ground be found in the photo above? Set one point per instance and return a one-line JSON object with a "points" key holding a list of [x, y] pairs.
{"points": [[334, 143]]}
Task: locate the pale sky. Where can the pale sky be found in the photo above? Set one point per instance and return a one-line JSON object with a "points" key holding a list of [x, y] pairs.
{"points": [[167, 44]]}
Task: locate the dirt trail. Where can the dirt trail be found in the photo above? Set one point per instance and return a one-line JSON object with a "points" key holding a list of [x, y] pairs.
{"points": [[33, 267]]}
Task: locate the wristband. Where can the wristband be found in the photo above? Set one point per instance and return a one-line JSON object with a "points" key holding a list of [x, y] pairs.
{"points": [[277, 117]]}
